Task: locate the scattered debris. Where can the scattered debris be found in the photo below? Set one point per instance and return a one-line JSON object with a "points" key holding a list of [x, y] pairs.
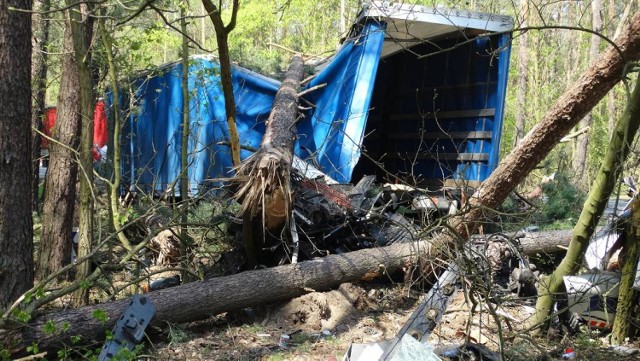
{"points": [[160, 283], [593, 297], [167, 245]]}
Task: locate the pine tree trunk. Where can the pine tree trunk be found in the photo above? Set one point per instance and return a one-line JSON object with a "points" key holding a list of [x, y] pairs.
{"points": [[16, 229], [265, 176], [594, 206], [60, 188], [81, 30], [199, 300]]}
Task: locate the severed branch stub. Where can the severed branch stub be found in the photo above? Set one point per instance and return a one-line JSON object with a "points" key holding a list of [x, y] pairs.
{"points": [[265, 176]]}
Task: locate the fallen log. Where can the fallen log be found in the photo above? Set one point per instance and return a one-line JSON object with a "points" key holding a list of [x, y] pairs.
{"points": [[545, 242], [203, 299]]}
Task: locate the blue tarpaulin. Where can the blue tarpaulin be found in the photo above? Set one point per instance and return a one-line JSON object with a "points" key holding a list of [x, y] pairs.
{"points": [[424, 114], [330, 133]]}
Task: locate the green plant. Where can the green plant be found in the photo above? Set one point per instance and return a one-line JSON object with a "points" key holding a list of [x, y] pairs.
{"points": [[177, 335]]}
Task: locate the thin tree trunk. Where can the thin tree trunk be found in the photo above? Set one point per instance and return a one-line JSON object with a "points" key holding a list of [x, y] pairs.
{"points": [[523, 67], [60, 189], [114, 185], [184, 174], [16, 229], [222, 37], [40, 42], [594, 206], [81, 30], [582, 142], [623, 323]]}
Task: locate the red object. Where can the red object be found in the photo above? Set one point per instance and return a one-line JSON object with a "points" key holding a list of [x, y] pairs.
{"points": [[598, 324], [100, 136], [569, 354], [48, 121]]}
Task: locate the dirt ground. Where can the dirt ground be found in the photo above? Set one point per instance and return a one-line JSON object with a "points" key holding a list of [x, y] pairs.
{"points": [[321, 326]]}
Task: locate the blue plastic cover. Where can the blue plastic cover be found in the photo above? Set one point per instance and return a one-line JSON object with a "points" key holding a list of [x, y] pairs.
{"points": [[334, 135], [330, 133], [458, 93]]}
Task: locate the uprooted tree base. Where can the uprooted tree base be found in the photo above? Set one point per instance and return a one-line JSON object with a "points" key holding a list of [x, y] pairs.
{"points": [[265, 176]]}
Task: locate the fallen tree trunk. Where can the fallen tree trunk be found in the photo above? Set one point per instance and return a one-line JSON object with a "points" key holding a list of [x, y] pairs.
{"points": [[202, 299], [605, 72], [545, 242], [265, 176]]}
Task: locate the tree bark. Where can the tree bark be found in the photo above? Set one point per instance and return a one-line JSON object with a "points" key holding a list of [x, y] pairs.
{"points": [[265, 176], [39, 68], [60, 189], [16, 229], [81, 30], [582, 142], [545, 242], [594, 206]]}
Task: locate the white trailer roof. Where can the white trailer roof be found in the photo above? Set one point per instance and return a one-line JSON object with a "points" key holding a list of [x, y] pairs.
{"points": [[409, 25]]}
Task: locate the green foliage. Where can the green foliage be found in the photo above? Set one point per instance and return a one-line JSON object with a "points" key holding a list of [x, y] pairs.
{"points": [[5, 355], [558, 208], [177, 335], [33, 348], [75, 339], [563, 199], [101, 316], [561, 205], [21, 315], [49, 327], [63, 354]]}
